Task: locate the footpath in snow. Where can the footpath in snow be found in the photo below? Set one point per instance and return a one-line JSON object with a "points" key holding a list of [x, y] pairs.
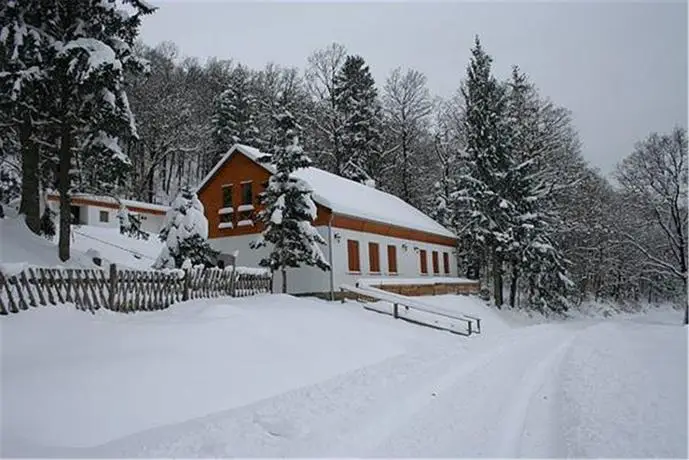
{"points": [[279, 376]]}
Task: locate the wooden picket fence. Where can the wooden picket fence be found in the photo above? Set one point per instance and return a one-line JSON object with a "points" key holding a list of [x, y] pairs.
{"points": [[124, 290]]}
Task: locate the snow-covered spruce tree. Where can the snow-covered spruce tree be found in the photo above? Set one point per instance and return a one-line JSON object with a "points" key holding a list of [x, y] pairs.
{"points": [[481, 185], [234, 118], [185, 233], [130, 224], [87, 53], [533, 252], [289, 210], [357, 101], [25, 93]]}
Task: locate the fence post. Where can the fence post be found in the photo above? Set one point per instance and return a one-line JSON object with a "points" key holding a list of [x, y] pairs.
{"points": [[395, 310], [113, 287], [187, 284]]}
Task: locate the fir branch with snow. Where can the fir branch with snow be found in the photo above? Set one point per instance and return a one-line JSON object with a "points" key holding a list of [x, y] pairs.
{"points": [[289, 209]]}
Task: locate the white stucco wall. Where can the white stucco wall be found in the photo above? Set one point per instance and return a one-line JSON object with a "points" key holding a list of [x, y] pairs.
{"points": [[408, 262], [92, 216], [299, 280], [309, 279]]}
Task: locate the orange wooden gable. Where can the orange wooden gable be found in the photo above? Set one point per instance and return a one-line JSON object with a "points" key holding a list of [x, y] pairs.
{"points": [[238, 169]]}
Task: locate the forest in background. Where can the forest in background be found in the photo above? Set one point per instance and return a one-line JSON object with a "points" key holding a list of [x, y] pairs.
{"points": [[498, 163]]}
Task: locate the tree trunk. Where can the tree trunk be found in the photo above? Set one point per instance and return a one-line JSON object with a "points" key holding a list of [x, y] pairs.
{"points": [[513, 286], [64, 184], [30, 203], [497, 279], [686, 313], [284, 281]]}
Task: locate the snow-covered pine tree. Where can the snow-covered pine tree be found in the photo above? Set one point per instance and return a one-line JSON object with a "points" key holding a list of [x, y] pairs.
{"points": [[130, 223], [481, 185], [185, 233], [25, 46], [533, 252], [234, 119], [357, 101], [87, 53], [289, 210]]}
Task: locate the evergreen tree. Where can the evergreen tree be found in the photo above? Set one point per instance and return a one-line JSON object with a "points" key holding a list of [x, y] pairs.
{"points": [[185, 233], [289, 209], [234, 120], [357, 101], [130, 224], [85, 52], [482, 185]]}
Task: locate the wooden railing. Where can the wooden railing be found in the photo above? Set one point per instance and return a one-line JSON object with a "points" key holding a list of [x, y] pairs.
{"points": [[469, 324], [124, 290]]}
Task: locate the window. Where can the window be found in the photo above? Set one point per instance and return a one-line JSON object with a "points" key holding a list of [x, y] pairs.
{"points": [[392, 258], [104, 216], [227, 196], [353, 256], [246, 208], [247, 195], [226, 217], [446, 262], [436, 267], [373, 258], [424, 261]]}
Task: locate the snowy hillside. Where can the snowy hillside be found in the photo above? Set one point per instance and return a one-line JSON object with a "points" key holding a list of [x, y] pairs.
{"points": [[280, 376], [19, 245]]}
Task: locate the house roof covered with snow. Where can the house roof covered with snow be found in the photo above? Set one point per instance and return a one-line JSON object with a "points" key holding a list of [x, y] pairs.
{"points": [[111, 202], [347, 197]]}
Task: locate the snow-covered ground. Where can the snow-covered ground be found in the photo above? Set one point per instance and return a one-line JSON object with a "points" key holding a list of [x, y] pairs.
{"points": [[19, 245], [280, 376]]}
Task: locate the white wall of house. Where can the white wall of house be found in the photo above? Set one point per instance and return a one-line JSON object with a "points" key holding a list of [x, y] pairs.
{"points": [[91, 215], [408, 261], [299, 280], [310, 279]]}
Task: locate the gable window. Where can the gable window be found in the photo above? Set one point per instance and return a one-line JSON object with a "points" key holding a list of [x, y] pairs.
{"points": [[227, 196], [392, 258], [446, 262], [226, 212], [436, 265], [246, 207], [373, 258], [104, 216], [247, 195], [353, 264], [423, 258]]}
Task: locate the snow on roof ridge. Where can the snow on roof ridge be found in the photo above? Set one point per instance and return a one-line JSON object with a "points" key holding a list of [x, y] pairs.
{"points": [[357, 200]]}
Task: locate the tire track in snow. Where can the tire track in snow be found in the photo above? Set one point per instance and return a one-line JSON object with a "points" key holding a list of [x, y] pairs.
{"points": [[480, 414]]}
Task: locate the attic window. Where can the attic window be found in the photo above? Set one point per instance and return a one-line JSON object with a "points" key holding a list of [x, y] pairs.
{"points": [[247, 193], [227, 196]]}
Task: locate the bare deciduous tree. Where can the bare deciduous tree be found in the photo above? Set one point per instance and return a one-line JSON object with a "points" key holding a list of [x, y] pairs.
{"points": [[654, 180]]}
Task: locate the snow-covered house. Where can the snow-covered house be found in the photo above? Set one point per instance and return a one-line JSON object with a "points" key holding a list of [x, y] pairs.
{"points": [[101, 211], [369, 233]]}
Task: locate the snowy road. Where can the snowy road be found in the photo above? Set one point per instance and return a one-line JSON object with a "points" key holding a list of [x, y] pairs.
{"points": [[290, 377], [508, 399]]}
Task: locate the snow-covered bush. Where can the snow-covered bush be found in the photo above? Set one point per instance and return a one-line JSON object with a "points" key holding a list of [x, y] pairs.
{"points": [[185, 233], [130, 224]]}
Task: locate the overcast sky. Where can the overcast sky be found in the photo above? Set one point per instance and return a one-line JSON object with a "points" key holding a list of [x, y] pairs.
{"points": [[620, 67]]}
